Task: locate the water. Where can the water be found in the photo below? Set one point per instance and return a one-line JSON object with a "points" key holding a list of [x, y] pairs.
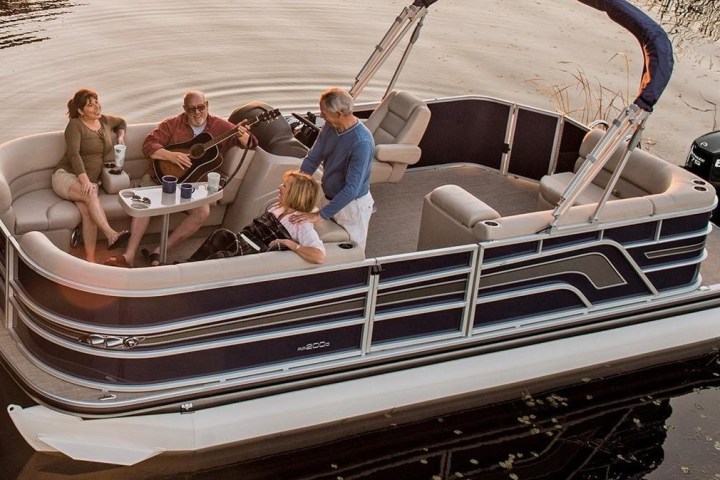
{"points": [[141, 56], [657, 422]]}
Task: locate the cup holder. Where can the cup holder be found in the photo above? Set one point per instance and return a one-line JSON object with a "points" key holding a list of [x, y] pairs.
{"points": [[697, 181], [346, 246], [700, 189], [490, 223]]}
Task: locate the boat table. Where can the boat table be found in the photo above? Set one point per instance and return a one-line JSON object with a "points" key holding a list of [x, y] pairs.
{"points": [[152, 201]]}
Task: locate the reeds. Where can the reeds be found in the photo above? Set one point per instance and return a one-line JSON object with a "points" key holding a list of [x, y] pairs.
{"points": [[586, 99]]}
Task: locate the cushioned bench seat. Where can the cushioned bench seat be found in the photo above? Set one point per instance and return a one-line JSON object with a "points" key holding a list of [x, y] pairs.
{"points": [[453, 216], [647, 188], [643, 174], [28, 202], [45, 254]]}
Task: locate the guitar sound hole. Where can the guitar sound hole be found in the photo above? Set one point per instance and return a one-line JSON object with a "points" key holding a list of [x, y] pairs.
{"points": [[197, 151]]}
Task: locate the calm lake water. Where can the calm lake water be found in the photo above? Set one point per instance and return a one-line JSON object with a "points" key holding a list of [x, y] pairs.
{"points": [[661, 422]]}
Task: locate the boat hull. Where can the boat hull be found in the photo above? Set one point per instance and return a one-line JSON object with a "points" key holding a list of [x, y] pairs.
{"points": [[116, 440]]}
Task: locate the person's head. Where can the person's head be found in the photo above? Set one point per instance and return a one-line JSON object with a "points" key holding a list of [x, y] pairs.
{"points": [[299, 191], [336, 106], [84, 103], [195, 106]]}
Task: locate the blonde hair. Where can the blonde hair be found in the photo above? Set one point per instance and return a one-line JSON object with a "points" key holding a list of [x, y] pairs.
{"points": [[302, 191]]}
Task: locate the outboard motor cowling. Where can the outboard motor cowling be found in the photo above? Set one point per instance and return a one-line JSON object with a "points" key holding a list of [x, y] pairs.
{"points": [[704, 161]]}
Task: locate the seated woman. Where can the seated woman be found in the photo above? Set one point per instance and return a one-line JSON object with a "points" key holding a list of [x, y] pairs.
{"points": [[298, 193], [273, 230], [88, 141]]}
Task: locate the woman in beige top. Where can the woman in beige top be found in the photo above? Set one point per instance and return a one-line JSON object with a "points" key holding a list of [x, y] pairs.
{"points": [[88, 141]]}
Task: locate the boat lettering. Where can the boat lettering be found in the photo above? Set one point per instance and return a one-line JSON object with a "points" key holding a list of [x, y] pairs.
{"points": [[313, 346], [696, 160]]}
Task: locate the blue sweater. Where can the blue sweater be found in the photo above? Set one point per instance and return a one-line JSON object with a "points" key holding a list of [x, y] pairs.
{"points": [[346, 158]]}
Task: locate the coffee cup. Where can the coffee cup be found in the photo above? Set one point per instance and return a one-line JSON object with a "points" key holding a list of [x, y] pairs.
{"points": [[119, 155], [169, 183], [186, 190], [213, 184]]}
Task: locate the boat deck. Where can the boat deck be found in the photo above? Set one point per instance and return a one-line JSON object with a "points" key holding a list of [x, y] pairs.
{"points": [[395, 225], [394, 229]]}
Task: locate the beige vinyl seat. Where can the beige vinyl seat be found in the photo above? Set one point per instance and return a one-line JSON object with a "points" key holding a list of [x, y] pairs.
{"points": [[397, 124]]}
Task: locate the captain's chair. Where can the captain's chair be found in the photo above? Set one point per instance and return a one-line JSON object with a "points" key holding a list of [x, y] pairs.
{"points": [[397, 125]]}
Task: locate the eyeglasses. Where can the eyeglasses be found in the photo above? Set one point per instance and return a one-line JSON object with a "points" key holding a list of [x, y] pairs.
{"points": [[195, 108], [135, 197]]}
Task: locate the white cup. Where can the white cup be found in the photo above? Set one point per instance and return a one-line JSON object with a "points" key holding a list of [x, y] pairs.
{"points": [[119, 155], [213, 184]]}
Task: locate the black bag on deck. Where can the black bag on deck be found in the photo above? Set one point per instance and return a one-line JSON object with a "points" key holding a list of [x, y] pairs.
{"points": [[254, 238]]}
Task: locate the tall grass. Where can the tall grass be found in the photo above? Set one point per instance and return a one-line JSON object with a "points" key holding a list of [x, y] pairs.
{"points": [[586, 99]]}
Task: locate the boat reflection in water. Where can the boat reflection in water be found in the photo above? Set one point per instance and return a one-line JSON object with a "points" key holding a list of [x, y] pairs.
{"points": [[607, 427]]}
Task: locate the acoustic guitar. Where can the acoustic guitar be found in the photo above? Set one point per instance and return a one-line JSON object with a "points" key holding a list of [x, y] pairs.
{"points": [[204, 152]]}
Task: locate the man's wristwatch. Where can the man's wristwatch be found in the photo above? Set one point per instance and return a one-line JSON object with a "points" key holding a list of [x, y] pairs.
{"points": [[297, 247]]}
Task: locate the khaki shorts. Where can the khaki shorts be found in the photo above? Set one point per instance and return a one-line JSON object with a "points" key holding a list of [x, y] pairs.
{"points": [[62, 181]]}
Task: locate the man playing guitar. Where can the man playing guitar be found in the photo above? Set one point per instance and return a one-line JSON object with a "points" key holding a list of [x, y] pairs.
{"points": [[194, 120]]}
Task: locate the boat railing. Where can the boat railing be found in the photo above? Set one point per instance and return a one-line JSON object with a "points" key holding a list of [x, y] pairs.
{"points": [[250, 331]]}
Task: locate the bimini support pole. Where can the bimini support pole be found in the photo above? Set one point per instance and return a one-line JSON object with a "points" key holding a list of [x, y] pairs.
{"points": [[410, 15], [630, 122], [413, 38], [657, 68], [631, 145]]}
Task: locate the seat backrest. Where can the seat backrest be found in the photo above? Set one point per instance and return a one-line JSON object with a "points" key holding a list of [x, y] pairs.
{"points": [[400, 118], [643, 174]]}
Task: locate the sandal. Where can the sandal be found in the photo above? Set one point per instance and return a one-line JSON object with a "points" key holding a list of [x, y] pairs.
{"points": [[152, 259], [117, 261], [120, 240]]}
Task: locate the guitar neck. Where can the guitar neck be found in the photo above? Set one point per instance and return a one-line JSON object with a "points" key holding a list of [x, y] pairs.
{"points": [[228, 134]]}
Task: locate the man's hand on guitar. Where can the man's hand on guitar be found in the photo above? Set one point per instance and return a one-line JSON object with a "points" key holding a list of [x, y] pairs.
{"points": [[243, 133], [179, 158]]}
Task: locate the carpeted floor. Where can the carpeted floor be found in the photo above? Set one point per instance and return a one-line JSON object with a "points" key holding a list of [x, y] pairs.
{"points": [[395, 226]]}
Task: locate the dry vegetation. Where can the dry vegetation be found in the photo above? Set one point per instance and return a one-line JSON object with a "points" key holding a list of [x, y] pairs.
{"points": [[586, 99], [689, 23]]}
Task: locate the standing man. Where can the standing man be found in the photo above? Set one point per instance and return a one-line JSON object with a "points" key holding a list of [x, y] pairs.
{"points": [[194, 120], [345, 149]]}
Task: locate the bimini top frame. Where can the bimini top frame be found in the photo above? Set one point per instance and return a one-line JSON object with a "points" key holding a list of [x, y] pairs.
{"points": [[410, 15], [657, 68], [624, 131]]}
